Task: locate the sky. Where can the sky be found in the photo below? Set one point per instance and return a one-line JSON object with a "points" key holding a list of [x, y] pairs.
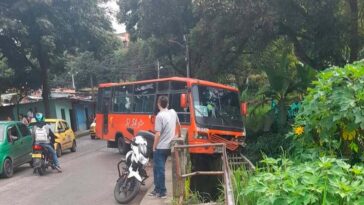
{"points": [[112, 9]]}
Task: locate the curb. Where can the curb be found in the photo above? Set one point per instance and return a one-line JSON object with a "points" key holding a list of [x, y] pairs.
{"points": [[82, 133]]}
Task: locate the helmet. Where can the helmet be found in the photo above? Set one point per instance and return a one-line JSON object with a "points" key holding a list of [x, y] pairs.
{"points": [[39, 117]]}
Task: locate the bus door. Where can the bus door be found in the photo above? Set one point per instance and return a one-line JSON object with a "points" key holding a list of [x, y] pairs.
{"points": [[106, 100]]}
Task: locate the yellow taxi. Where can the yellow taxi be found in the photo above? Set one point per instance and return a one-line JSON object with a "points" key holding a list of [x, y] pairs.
{"points": [[65, 137], [93, 129]]}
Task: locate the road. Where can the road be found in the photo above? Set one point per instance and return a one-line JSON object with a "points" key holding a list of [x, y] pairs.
{"points": [[89, 176]]}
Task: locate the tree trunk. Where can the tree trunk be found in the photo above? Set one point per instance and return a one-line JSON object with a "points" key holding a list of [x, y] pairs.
{"points": [[43, 62], [354, 36]]}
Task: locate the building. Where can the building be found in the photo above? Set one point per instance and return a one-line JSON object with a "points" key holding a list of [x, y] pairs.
{"points": [[65, 104]]}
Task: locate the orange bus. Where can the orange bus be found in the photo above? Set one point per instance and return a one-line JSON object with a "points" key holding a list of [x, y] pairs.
{"points": [[211, 112]]}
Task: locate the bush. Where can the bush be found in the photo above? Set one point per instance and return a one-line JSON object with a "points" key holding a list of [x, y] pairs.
{"points": [[269, 144], [281, 181], [332, 114]]}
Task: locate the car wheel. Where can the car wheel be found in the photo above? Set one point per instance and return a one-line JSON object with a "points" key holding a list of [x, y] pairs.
{"points": [[59, 150], [8, 168], [74, 146]]}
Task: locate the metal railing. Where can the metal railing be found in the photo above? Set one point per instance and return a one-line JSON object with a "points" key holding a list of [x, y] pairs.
{"points": [[180, 172]]}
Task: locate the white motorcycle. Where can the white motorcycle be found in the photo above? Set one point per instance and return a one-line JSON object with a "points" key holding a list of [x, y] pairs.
{"points": [[133, 174]]}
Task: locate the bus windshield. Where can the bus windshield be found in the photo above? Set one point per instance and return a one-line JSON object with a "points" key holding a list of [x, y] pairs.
{"points": [[216, 108]]}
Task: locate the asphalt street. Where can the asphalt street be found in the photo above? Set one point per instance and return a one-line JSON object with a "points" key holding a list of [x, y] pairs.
{"points": [[89, 176]]}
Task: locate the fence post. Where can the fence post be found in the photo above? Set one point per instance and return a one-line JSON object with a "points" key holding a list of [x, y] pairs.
{"points": [[177, 181]]}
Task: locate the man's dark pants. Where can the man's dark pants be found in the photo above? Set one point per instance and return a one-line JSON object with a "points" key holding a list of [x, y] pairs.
{"points": [[159, 159]]}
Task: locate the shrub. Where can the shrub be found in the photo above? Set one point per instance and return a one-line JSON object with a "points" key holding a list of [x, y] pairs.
{"points": [[332, 114], [281, 181], [270, 144]]}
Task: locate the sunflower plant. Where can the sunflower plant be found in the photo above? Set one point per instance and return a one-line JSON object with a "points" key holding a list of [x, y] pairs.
{"points": [[332, 114]]}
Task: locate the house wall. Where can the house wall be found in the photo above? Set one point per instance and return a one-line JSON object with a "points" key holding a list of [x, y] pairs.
{"points": [[83, 117], [62, 105], [55, 105], [74, 111], [24, 108]]}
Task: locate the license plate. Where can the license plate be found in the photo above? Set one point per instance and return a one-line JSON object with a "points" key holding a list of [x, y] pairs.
{"points": [[36, 155]]}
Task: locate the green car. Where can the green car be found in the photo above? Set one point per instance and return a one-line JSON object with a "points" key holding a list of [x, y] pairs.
{"points": [[15, 146]]}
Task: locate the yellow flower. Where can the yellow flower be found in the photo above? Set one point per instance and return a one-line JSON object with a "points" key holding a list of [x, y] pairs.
{"points": [[348, 135], [299, 130]]}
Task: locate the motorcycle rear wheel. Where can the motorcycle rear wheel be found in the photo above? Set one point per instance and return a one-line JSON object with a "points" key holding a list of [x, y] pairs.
{"points": [[41, 168], [126, 189]]}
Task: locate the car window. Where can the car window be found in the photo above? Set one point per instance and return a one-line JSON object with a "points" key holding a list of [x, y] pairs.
{"points": [[65, 125], [60, 127], [12, 131], [24, 130]]}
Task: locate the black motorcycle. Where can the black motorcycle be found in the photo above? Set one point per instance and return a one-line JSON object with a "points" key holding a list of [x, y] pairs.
{"points": [[133, 174], [41, 159]]}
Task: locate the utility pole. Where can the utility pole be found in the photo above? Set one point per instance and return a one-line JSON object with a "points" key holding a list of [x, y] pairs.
{"points": [[158, 68], [92, 87], [187, 57], [73, 82], [187, 52]]}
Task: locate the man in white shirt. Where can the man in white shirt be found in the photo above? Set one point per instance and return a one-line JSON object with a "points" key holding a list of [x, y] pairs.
{"points": [[165, 127]]}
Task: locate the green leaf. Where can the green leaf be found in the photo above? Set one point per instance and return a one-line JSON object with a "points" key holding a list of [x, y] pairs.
{"points": [[354, 147]]}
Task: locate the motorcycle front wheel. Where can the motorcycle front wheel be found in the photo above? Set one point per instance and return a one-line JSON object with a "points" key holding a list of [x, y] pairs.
{"points": [[126, 189]]}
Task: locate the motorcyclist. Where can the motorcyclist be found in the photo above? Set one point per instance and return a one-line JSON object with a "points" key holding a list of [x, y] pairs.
{"points": [[44, 136]]}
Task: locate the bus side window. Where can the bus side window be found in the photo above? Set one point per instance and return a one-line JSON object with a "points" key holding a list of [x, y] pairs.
{"points": [[174, 103], [122, 99]]}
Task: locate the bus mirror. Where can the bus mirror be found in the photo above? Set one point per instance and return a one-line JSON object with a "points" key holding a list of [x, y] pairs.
{"points": [[244, 108], [183, 101]]}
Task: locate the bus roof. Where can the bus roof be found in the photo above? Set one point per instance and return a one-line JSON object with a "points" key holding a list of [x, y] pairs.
{"points": [[191, 80]]}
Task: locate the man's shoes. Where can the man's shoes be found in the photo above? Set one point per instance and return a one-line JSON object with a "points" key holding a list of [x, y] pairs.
{"points": [[153, 194], [58, 168], [162, 196]]}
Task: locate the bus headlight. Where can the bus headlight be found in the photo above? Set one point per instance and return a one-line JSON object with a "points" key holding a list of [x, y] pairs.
{"points": [[238, 139], [203, 136]]}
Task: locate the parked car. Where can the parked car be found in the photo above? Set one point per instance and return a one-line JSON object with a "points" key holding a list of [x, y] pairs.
{"points": [[93, 129], [15, 146], [65, 137]]}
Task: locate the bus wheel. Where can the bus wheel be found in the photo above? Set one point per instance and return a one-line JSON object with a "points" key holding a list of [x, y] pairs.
{"points": [[122, 146]]}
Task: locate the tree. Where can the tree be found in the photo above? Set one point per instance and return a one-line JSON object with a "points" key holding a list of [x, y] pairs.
{"points": [[163, 24], [123, 64], [287, 77], [324, 33], [36, 34]]}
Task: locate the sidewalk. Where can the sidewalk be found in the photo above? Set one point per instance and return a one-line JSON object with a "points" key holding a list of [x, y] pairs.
{"points": [[147, 200], [82, 133]]}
